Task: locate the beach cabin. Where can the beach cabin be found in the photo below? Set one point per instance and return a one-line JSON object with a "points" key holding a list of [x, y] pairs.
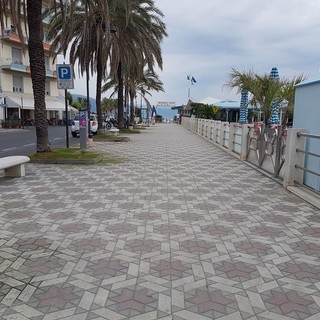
{"points": [[230, 110], [306, 116]]}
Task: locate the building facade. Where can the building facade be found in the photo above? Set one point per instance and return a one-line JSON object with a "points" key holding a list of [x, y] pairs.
{"points": [[16, 94], [306, 116]]}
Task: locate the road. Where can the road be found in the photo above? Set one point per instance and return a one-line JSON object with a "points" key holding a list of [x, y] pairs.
{"points": [[23, 141]]}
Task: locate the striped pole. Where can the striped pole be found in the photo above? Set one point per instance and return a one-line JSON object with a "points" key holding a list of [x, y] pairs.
{"points": [[243, 118], [274, 119]]}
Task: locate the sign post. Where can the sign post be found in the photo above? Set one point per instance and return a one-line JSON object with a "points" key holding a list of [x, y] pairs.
{"points": [[65, 81], [83, 128]]}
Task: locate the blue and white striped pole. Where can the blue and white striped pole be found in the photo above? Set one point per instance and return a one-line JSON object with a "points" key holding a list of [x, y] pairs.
{"points": [[274, 119], [243, 118]]}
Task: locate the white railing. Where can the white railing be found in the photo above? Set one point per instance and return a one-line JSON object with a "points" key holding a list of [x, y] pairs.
{"points": [[230, 137], [281, 153]]}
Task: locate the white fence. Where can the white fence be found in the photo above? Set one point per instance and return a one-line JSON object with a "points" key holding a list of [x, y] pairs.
{"points": [[275, 151]]}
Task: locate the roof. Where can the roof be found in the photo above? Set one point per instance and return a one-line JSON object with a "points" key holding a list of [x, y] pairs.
{"points": [[228, 104], [210, 100], [312, 80], [224, 104], [177, 107]]}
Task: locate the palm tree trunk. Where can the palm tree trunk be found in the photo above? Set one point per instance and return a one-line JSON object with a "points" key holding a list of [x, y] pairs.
{"points": [[120, 97], [126, 104], [131, 122], [38, 72]]}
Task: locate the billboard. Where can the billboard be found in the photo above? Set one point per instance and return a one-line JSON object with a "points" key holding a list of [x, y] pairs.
{"points": [[166, 104]]}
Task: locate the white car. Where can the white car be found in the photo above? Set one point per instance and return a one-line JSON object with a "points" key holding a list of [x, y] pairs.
{"points": [[75, 128]]}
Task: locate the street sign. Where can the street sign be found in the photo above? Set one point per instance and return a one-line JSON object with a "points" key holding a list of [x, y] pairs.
{"points": [[166, 104], [65, 76]]}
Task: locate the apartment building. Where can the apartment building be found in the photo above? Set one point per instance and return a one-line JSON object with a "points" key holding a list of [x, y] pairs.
{"points": [[16, 95]]}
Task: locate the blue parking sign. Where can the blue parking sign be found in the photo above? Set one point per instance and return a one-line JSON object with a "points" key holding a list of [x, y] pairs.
{"points": [[65, 76], [64, 73]]}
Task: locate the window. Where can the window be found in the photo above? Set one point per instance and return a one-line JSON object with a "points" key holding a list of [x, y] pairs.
{"points": [[16, 56], [47, 88], [17, 84], [47, 62]]}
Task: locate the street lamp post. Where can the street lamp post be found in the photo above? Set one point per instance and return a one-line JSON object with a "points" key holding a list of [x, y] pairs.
{"points": [[22, 117]]}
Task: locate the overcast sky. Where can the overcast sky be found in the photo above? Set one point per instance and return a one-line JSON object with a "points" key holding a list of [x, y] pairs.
{"points": [[209, 37]]}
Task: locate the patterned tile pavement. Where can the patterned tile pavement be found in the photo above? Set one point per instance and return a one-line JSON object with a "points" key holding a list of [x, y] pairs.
{"points": [[180, 230]]}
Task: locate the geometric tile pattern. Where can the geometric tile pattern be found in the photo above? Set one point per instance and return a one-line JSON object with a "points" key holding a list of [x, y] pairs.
{"points": [[180, 230]]}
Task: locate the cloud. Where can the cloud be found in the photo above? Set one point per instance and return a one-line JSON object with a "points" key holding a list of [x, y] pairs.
{"points": [[209, 37]]}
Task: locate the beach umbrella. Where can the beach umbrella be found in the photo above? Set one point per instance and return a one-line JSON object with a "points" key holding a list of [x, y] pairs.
{"points": [[243, 118], [274, 119]]}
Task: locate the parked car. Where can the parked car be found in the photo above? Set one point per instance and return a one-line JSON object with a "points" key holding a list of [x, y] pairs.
{"points": [[75, 127]]}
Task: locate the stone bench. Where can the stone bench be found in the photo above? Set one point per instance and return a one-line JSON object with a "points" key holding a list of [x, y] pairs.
{"points": [[13, 166], [114, 131]]}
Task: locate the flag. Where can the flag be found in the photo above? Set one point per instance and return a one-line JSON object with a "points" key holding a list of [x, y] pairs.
{"points": [[192, 79]]}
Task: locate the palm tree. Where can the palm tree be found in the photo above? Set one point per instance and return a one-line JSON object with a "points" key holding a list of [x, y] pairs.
{"points": [[108, 105], [142, 86], [137, 43], [86, 32], [264, 90], [31, 20]]}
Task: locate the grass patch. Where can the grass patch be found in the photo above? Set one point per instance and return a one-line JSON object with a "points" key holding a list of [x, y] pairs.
{"points": [[139, 127], [67, 156], [65, 153], [109, 137], [109, 159], [133, 131], [75, 156]]}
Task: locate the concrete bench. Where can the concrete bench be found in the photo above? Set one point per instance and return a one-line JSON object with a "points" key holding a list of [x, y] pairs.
{"points": [[14, 165], [114, 131]]}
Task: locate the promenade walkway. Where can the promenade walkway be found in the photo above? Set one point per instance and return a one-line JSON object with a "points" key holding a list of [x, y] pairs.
{"points": [[179, 230]]}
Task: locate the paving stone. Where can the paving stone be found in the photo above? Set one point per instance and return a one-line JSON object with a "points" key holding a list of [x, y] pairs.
{"points": [[180, 230]]}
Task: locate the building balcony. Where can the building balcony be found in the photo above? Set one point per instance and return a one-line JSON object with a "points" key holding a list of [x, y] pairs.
{"points": [[51, 73], [10, 35], [14, 64], [46, 46], [13, 37], [18, 65]]}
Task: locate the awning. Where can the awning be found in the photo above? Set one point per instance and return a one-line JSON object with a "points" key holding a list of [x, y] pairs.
{"points": [[15, 102], [28, 103], [55, 105]]}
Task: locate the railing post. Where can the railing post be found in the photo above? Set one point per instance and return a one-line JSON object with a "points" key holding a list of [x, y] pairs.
{"points": [[198, 126], [292, 157], [232, 137], [211, 130], [278, 150], [214, 131], [222, 131], [261, 145], [244, 141], [206, 129]]}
